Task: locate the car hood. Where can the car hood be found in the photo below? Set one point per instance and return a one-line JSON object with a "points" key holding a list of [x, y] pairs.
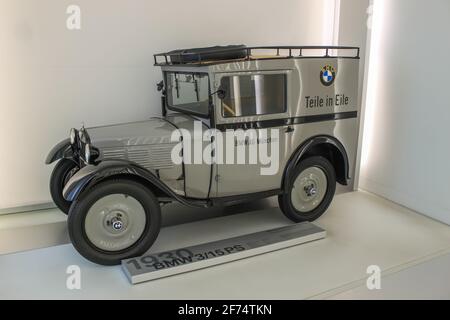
{"points": [[152, 131]]}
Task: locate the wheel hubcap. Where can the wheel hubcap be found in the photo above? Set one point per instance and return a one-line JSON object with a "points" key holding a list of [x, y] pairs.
{"points": [[309, 189], [115, 222]]}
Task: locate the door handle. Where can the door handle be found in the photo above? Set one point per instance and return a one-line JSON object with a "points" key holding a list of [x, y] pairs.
{"points": [[289, 129]]}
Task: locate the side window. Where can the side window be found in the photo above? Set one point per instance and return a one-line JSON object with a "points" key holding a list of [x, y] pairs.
{"points": [[189, 92], [257, 94]]}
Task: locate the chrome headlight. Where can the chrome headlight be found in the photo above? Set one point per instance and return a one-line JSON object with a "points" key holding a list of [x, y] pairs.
{"points": [[84, 136], [73, 136], [87, 153]]}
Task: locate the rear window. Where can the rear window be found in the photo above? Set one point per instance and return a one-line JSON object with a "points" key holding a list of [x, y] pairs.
{"points": [[247, 95]]}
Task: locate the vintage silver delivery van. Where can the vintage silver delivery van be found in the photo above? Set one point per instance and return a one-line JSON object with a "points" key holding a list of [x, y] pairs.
{"points": [[238, 123]]}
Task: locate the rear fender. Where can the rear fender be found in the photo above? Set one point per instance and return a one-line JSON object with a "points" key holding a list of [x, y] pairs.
{"points": [[310, 144]]}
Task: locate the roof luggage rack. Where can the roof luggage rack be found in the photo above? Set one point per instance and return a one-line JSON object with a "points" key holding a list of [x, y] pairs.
{"points": [[220, 54]]}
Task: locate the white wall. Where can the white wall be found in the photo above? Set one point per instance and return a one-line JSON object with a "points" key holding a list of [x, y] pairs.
{"points": [[353, 31], [406, 152], [52, 79]]}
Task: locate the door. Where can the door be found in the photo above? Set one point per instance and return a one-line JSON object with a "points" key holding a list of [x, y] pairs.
{"points": [[252, 118]]}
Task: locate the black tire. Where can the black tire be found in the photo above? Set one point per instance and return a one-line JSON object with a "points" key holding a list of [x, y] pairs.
{"points": [[285, 200], [81, 206], [58, 179]]}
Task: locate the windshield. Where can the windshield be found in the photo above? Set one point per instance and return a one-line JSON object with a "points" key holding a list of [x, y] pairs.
{"points": [[188, 92]]}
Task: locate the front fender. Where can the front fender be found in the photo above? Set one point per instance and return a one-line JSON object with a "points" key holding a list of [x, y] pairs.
{"points": [[92, 174], [61, 150]]}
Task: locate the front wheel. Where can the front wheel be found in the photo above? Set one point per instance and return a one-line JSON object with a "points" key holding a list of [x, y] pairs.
{"points": [[114, 220], [310, 190]]}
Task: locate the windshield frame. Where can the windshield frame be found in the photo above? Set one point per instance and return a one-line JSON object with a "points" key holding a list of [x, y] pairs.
{"points": [[180, 108]]}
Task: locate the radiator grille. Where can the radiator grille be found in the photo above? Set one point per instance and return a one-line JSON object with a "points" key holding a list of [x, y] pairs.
{"points": [[150, 157]]}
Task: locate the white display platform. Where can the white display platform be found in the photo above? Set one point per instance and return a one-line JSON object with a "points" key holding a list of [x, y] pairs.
{"points": [[362, 229]]}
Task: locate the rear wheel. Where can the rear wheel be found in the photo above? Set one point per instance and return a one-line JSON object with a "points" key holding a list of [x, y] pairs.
{"points": [[310, 190], [62, 172], [114, 220]]}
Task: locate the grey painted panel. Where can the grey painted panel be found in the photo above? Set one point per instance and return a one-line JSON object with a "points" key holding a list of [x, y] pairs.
{"points": [[152, 131], [303, 80], [147, 143], [197, 176]]}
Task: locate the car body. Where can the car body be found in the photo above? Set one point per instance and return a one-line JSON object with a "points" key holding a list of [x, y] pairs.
{"points": [[310, 100]]}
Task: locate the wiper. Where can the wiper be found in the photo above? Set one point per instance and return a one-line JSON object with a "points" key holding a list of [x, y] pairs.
{"points": [[196, 88], [177, 87]]}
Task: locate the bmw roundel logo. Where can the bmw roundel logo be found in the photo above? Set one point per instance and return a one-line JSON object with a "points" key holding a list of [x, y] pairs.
{"points": [[327, 75]]}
